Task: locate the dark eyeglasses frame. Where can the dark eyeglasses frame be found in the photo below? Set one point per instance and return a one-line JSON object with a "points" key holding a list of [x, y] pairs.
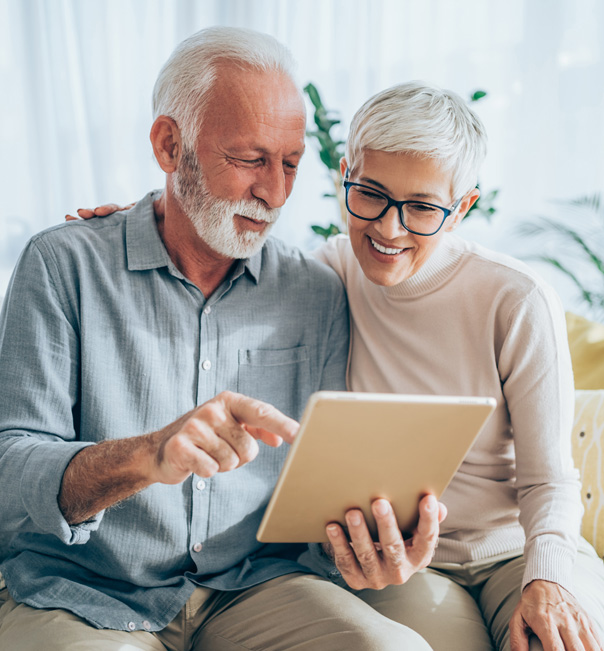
{"points": [[399, 206]]}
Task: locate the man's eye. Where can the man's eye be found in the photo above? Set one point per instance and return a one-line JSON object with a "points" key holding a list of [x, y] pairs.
{"points": [[290, 167], [247, 162]]}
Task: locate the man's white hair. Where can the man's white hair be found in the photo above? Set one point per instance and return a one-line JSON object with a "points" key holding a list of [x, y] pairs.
{"points": [[184, 84], [423, 120]]}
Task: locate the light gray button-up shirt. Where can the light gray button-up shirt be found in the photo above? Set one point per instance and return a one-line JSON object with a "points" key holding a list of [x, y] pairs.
{"points": [[101, 337]]}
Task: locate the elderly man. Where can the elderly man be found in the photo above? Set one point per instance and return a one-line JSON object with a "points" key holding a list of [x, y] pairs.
{"points": [[132, 525]]}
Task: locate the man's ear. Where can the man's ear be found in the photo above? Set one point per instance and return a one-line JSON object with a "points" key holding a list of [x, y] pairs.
{"points": [[466, 203], [166, 141], [343, 167]]}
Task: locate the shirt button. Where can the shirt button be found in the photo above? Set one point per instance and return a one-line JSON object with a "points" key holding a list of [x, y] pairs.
{"points": [[197, 547], [132, 626], [207, 310], [147, 625], [200, 485], [206, 365]]}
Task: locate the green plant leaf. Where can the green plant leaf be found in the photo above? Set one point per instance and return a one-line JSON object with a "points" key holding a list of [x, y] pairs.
{"points": [[326, 233], [313, 94], [320, 230], [548, 225], [326, 158], [582, 240], [591, 202], [477, 95], [586, 294]]}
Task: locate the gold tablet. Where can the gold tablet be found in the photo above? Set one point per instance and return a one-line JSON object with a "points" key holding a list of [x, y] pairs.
{"points": [[353, 448]]}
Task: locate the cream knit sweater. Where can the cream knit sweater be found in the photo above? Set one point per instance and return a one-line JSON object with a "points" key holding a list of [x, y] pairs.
{"points": [[475, 322]]}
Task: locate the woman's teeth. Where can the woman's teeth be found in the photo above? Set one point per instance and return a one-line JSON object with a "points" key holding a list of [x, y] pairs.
{"points": [[383, 249]]}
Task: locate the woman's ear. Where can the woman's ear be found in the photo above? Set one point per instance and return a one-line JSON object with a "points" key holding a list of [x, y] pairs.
{"points": [[166, 141], [465, 204]]}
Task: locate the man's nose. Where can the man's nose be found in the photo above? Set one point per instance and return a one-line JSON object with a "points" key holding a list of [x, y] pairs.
{"points": [[270, 187]]}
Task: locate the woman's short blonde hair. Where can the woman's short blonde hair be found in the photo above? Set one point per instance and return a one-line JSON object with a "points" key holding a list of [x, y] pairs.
{"points": [[425, 120]]}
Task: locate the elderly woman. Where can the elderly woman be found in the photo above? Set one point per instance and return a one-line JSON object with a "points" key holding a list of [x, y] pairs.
{"points": [[435, 314]]}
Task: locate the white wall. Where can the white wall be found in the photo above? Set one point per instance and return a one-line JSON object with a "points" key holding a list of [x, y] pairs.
{"points": [[77, 79]]}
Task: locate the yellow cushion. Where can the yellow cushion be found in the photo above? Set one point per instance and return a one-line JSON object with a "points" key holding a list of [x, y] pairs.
{"points": [[586, 342], [588, 454]]}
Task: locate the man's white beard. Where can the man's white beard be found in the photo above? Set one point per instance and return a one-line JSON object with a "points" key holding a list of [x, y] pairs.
{"points": [[213, 218]]}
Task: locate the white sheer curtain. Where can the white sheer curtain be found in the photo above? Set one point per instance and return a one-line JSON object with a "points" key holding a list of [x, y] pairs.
{"points": [[76, 80]]}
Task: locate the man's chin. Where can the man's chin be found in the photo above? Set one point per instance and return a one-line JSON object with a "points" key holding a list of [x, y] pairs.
{"points": [[240, 250], [231, 238]]}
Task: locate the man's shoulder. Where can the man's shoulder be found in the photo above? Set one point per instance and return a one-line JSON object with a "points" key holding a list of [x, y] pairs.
{"points": [[98, 232]]}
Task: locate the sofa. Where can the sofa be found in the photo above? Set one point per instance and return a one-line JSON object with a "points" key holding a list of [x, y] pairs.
{"points": [[586, 342]]}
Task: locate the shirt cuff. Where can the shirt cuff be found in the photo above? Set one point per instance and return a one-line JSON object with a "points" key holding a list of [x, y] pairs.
{"points": [[40, 487], [316, 560]]}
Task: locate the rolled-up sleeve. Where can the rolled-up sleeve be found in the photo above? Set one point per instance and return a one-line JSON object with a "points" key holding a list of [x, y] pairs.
{"points": [[39, 349]]}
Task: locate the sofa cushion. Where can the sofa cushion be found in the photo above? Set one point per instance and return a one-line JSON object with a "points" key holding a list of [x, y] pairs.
{"points": [[588, 454], [586, 342]]}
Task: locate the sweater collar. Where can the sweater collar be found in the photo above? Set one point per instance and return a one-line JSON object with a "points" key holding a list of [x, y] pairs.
{"points": [[433, 273]]}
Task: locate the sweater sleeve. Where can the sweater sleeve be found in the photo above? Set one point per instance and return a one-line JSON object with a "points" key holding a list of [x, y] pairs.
{"points": [[537, 381]]}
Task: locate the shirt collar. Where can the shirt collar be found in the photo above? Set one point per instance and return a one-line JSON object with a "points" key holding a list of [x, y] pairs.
{"points": [[145, 248], [253, 265]]}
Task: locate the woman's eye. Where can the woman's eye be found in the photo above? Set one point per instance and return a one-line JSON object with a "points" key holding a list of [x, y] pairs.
{"points": [[372, 196], [421, 207]]}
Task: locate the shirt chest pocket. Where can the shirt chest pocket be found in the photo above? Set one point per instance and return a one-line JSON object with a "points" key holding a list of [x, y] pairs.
{"points": [[279, 377]]}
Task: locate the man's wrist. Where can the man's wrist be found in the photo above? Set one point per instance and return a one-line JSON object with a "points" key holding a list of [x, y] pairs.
{"points": [[104, 474]]}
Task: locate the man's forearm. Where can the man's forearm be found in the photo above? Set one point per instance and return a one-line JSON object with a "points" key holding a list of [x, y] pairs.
{"points": [[102, 475], [220, 435]]}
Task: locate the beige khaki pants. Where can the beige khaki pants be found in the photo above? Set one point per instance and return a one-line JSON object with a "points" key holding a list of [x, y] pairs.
{"points": [[468, 607], [452, 607], [296, 611]]}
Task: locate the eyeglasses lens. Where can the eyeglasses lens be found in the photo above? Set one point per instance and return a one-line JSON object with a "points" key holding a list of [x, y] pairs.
{"points": [[419, 217]]}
